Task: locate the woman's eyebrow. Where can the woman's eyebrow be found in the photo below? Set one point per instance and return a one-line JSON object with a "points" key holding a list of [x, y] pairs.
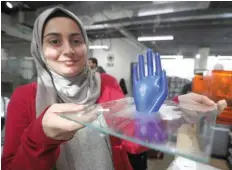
{"points": [[57, 34], [52, 34], [75, 34]]}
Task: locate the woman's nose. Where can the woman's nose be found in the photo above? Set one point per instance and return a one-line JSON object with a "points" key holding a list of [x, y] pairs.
{"points": [[68, 49]]}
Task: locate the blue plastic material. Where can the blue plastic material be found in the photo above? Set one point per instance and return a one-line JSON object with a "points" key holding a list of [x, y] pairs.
{"points": [[151, 129], [149, 91]]}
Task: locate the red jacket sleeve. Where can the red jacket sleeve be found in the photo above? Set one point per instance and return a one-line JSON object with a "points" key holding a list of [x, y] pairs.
{"points": [[26, 147], [129, 130]]}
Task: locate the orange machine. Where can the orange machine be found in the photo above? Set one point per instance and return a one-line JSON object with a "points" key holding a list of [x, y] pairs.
{"points": [[217, 85]]}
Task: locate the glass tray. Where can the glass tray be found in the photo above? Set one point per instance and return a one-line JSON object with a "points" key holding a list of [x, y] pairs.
{"points": [[175, 129]]}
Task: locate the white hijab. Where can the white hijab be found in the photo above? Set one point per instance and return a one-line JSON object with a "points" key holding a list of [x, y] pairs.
{"points": [[87, 150], [52, 88]]}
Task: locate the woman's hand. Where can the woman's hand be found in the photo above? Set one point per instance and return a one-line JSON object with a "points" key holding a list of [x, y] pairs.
{"points": [[194, 105], [196, 102], [222, 104], [58, 128], [201, 102]]}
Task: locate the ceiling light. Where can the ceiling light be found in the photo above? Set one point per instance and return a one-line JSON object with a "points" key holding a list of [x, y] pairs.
{"points": [[171, 57], [9, 5], [12, 58], [198, 56], [28, 58], [224, 57], [154, 12], [156, 38], [98, 47], [220, 57]]}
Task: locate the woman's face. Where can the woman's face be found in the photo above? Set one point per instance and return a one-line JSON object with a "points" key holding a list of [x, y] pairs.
{"points": [[64, 48]]}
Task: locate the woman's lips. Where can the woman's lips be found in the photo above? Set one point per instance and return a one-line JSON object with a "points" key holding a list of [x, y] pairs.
{"points": [[69, 63]]}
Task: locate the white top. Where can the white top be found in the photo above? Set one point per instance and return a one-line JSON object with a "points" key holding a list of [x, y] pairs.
{"points": [[4, 104], [92, 151]]}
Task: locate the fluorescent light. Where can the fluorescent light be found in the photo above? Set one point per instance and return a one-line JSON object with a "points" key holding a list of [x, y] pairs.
{"points": [[12, 58], [220, 57], [198, 56], [98, 47], [156, 38], [28, 58], [9, 5], [154, 12], [224, 57], [171, 57]]}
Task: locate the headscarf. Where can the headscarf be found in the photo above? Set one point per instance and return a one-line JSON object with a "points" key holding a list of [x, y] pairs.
{"points": [[81, 151], [52, 88]]}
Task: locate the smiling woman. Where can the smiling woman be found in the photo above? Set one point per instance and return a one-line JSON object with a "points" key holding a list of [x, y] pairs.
{"points": [[64, 48], [65, 84]]}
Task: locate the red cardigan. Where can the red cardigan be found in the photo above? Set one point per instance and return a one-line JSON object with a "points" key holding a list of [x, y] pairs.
{"points": [[26, 147]]}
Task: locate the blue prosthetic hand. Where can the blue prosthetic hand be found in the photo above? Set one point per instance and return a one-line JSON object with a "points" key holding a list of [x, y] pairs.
{"points": [[151, 129], [149, 91]]}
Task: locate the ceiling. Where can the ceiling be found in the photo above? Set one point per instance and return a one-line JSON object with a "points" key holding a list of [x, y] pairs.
{"points": [[202, 25], [29, 5]]}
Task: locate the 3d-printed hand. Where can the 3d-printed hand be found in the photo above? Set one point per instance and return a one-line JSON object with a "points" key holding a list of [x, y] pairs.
{"points": [[151, 129], [149, 91]]}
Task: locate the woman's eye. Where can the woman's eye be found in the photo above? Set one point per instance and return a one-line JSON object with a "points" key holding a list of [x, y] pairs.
{"points": [[76, 41], [54, 41]]}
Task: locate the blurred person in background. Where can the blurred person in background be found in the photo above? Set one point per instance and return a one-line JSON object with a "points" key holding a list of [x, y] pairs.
{"points": [[122, 84], [218, 66], [187, 88], [93, 63]]}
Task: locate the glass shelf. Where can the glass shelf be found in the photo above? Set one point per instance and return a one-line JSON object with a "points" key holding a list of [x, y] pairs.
{"points": [[175, 129]]}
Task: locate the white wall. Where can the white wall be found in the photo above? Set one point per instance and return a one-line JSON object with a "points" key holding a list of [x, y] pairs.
{"points": [[124, 53], [227, 64], [175, 67], [183, 68], [14, 62]]}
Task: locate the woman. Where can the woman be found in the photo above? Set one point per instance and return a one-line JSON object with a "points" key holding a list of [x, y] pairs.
{"points": [[36, 137]]}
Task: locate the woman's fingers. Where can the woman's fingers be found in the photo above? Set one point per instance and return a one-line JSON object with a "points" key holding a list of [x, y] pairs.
{"points": [[198, 107], [70, 111], [196, 98], [71, 122], [60, 121], [205, 100], [65, 124], [222, 104], [66, 108]]}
